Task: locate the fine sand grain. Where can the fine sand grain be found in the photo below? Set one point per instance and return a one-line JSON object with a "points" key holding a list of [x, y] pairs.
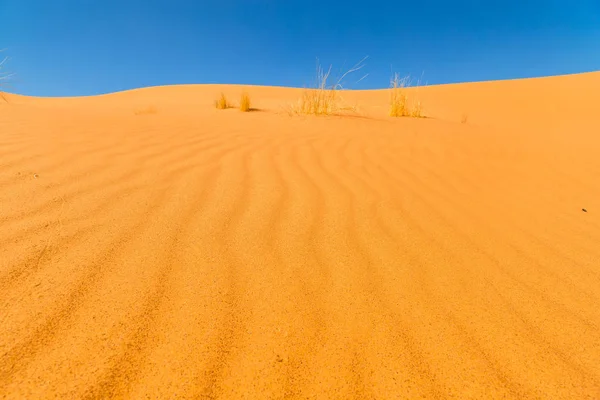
{"points": [[191, 252]]}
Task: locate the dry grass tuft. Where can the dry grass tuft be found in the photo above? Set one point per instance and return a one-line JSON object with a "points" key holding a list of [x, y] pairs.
{"points": [[221, 103], [398, 98], [4, 77], [245, 102], [399, 104], [464, 118], [417, 110], [325, 99]]}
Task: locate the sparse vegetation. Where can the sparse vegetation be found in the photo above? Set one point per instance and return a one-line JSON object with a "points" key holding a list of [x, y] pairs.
{"points": [[221, 103], [464, 118], [245, 102], [324, 99], [4, 77], [399, 104], [398, 99], [417, 110]]}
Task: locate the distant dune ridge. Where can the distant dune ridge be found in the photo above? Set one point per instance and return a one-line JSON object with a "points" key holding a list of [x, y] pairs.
{"points": [[154, 246]]}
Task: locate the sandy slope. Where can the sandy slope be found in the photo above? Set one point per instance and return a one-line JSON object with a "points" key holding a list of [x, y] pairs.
{"points": [[197, 253]]}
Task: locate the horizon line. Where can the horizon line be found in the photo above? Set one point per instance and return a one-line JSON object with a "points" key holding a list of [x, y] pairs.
{"points": [[298, 88]]}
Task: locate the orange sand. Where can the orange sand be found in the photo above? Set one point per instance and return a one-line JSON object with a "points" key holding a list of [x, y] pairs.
{"points": [[191, 252]]}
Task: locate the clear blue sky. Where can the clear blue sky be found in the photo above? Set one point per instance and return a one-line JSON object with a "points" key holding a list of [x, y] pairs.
{"points": [[85, 47]]}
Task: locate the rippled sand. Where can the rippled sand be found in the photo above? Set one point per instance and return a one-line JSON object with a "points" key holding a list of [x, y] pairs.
{"points": [[188, 252]]}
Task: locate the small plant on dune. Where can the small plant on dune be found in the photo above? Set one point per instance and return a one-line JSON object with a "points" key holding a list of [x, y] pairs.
{"points": [[398, 98], [221, 103], [245, 102], [324, 99], [4, 77], [399, 104], [321, 99], [464, 118], [417, 110]]}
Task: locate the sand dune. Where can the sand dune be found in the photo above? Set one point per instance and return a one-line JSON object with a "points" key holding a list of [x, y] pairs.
{"points": [[203, 253]]}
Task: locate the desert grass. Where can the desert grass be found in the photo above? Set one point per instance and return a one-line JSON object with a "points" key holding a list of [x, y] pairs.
{"points": [[4, 77], [464, 118], [221, 103], [324, 99], [245, 102], [399, 101], [398, 97], [416, 111]]}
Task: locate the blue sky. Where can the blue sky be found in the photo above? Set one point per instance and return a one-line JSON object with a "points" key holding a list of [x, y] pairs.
{"points": [[86, 47]]}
